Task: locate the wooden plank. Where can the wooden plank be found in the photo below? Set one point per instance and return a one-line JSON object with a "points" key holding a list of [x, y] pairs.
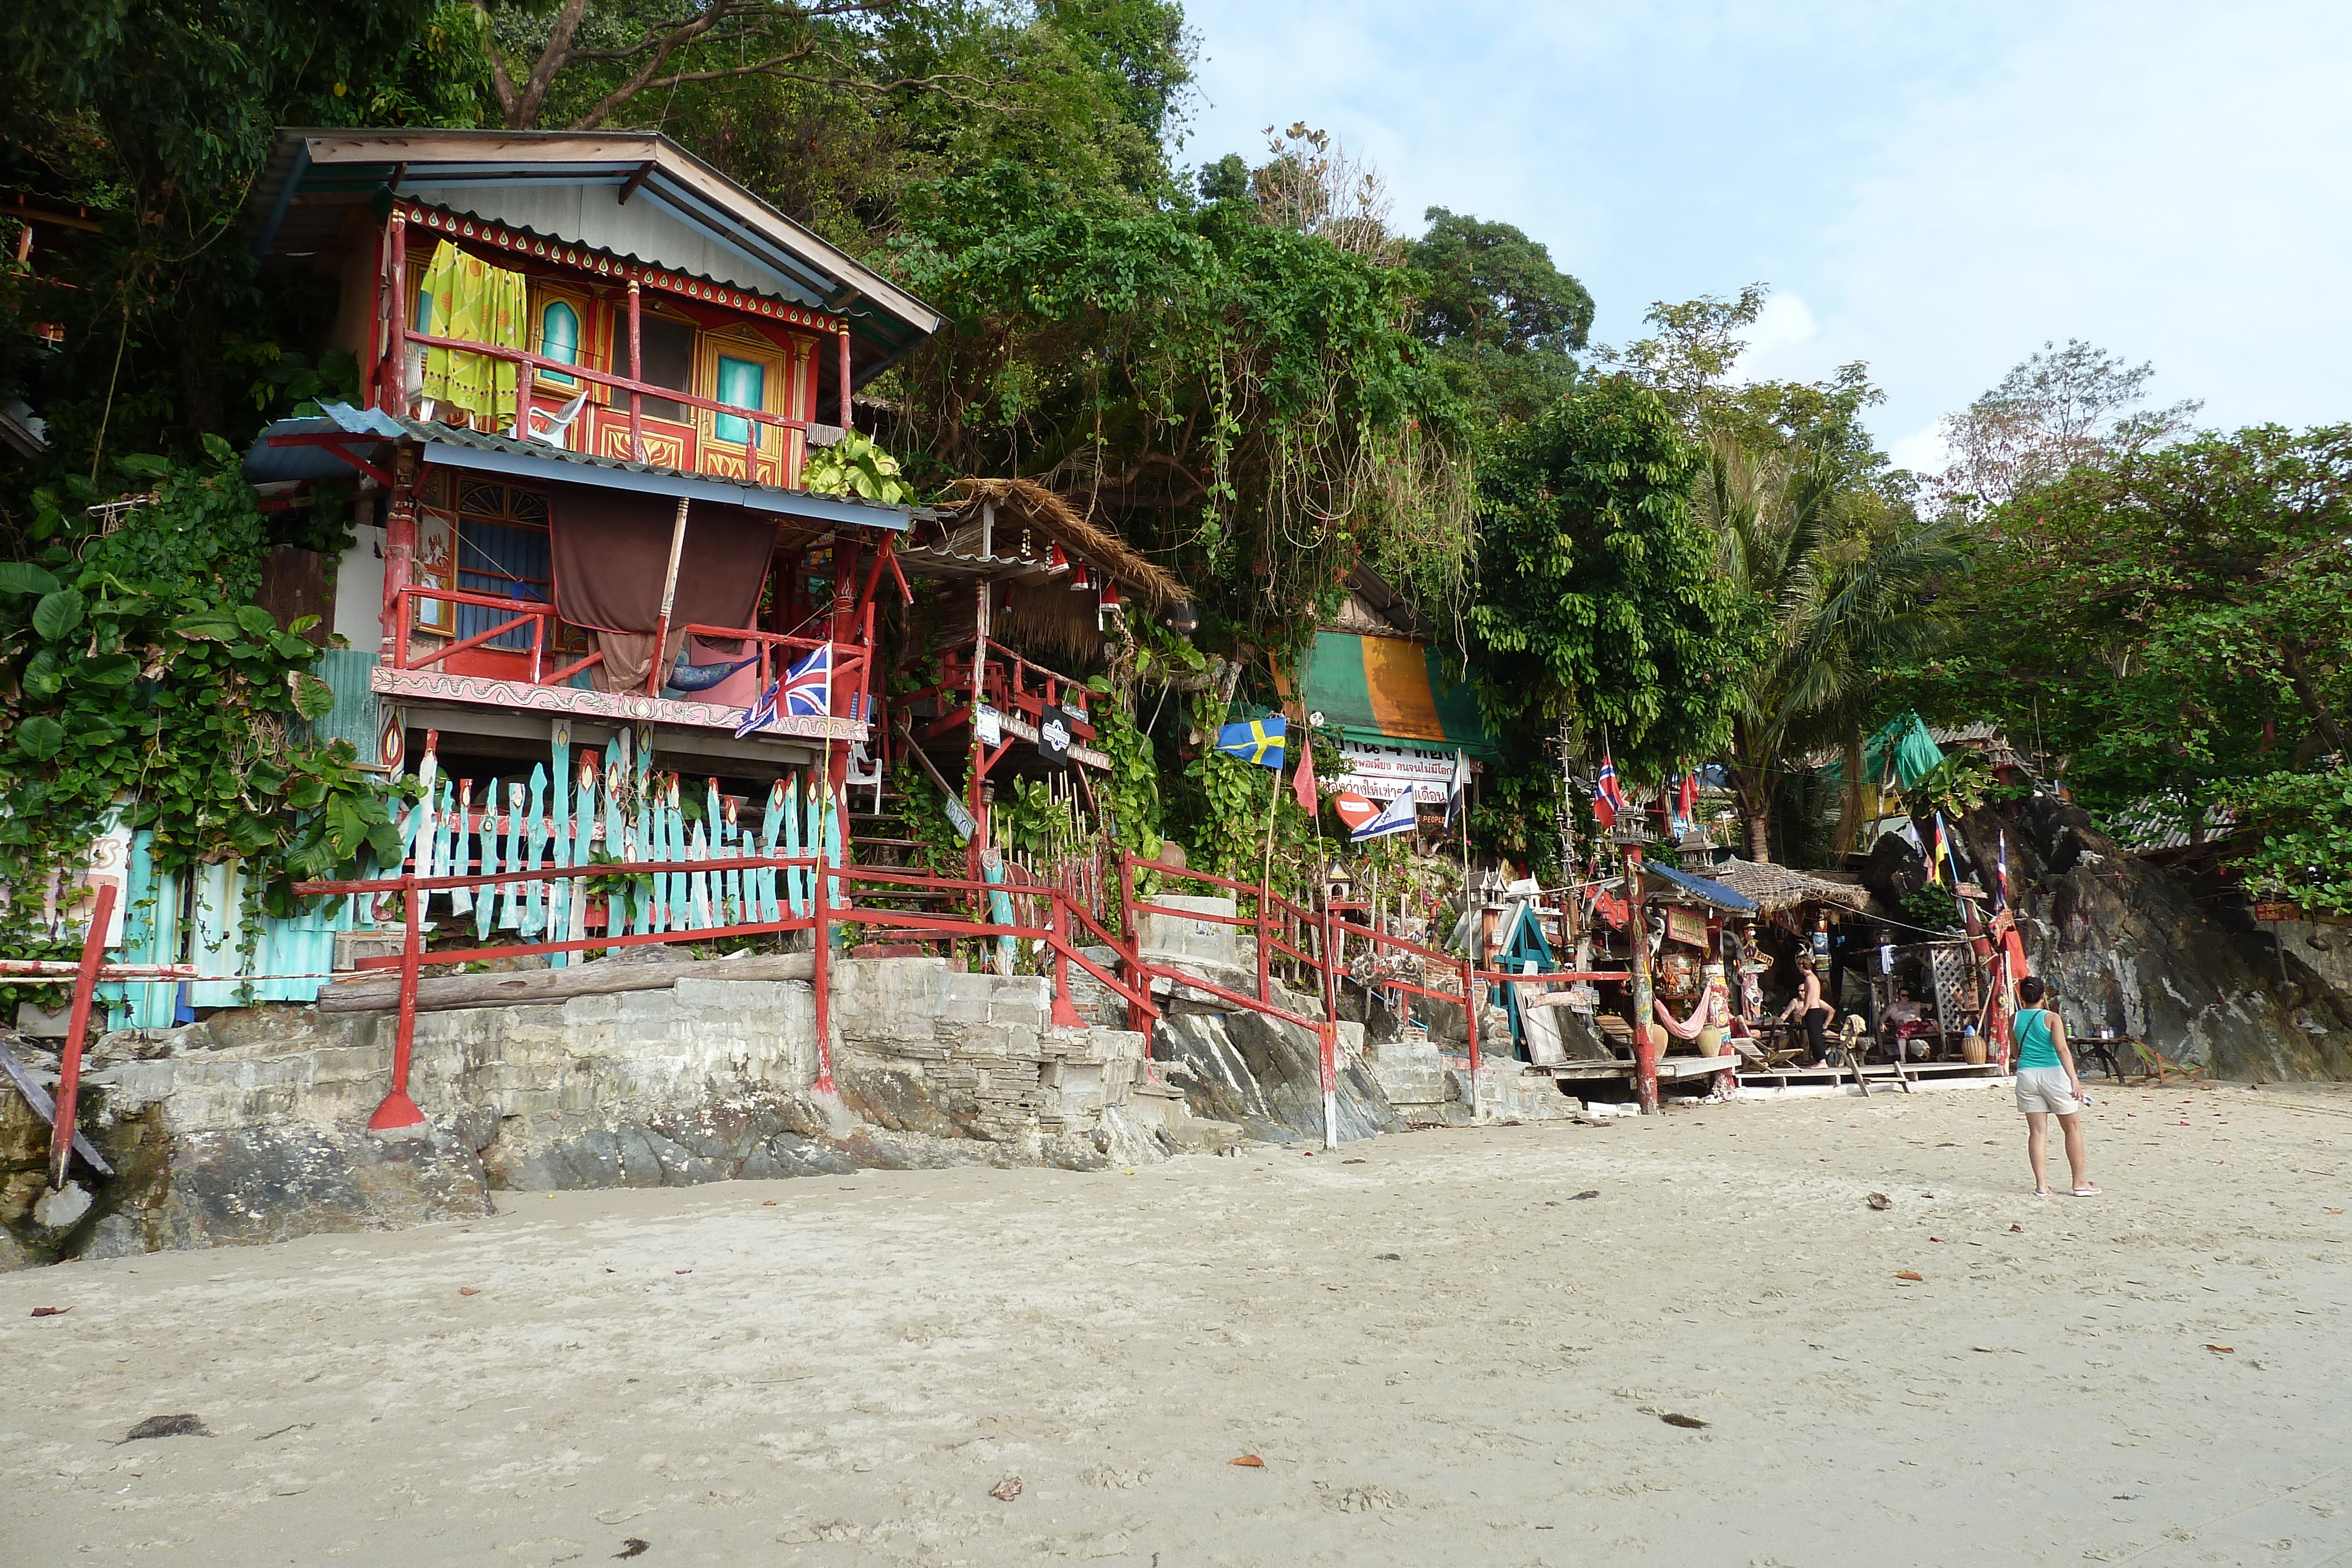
{"points": [[526, 987], [45, 1109]]}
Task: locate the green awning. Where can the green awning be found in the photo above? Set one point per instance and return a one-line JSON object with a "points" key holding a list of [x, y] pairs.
{"points": [[1914, 751], [1392, 691]]}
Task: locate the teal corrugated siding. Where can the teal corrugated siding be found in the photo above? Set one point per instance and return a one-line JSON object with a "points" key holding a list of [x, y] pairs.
{"points": [[345, 670]]}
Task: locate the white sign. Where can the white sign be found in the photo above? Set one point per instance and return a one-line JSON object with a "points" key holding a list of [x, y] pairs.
{"points": [[987, 726]]}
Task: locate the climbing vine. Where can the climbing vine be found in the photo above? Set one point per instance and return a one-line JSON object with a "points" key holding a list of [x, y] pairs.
{"points": [[136, 673]]}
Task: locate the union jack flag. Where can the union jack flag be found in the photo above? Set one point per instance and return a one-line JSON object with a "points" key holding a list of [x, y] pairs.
{"points": [[762, 714], [808, 685]]}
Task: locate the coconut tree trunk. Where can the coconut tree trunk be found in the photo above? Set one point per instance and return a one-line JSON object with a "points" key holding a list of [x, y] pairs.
{"points": [[1751, 786], [1849, 825]]}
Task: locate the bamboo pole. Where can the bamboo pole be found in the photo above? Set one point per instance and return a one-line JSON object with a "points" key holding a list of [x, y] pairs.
{"points": [[655, 673]]}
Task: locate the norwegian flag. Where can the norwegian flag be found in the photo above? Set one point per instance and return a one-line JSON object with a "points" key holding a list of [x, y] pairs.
{"points": [[1608, 799], [808, 685]]}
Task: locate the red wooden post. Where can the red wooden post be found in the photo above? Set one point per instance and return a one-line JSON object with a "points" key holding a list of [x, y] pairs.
{"points": [[848, 410], [1470, 1030], [821, 979], [1065, 1012], [396, 380], [637, 373], [1139, 1016], [398, 1112], [1264, 935], [93, 954], [1329, 1043], [1646, 1036]]}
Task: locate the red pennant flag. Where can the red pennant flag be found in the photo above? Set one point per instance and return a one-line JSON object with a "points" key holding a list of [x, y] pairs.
{"points": [[1302, 783]]}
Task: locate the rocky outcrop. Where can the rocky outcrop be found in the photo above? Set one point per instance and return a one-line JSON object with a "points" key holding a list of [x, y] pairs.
{"points": [[2129, 948]]}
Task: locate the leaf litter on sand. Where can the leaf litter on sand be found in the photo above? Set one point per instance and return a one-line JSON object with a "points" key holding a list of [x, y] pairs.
{"points": [[1879, 1200], [1248, 1462], [183, 1425], [1006, 1489], [1911, 1274]]}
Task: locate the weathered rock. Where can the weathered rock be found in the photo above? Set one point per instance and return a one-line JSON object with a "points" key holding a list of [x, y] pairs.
{"points": [[2128, 948], [1264, 1075]]}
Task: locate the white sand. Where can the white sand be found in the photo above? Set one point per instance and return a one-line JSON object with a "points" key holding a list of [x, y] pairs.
{"points": [[841, 1377]]}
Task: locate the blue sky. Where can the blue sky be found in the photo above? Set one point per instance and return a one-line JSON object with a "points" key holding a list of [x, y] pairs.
{"points": [[1935, 188]]}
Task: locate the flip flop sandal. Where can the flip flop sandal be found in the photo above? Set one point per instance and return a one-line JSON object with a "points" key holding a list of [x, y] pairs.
{"points": [[2092, 1191]]}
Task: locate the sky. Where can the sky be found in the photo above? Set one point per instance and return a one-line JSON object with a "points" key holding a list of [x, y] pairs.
{"points": [[1936, 190]]}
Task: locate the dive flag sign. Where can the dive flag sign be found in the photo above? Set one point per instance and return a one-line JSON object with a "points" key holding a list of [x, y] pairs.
{"points": [[1396, 817]]}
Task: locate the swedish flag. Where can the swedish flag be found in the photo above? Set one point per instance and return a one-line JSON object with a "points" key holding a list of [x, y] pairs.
{"points": [[1257, 740]]}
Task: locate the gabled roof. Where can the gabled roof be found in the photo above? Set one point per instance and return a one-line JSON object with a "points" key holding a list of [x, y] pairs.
{"points": [[637, 194]]}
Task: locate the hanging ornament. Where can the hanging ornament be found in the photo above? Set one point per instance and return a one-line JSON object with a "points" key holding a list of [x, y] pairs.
{"points": [[1078, 577], [1109, 594]]}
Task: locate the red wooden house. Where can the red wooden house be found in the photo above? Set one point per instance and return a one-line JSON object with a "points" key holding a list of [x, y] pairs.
{"points": [[592, 368]]}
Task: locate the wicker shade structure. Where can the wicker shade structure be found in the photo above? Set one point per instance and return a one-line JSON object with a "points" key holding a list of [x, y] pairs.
{"points": [[1024, 509], [1777, 889]]}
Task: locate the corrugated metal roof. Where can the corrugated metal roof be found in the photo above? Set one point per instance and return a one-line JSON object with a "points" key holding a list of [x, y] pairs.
{"points": [[456, 448], [2153, 824], [1705, 889]]}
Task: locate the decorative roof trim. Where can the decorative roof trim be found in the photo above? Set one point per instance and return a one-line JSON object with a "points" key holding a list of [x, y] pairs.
{"points": [[619, 268]]}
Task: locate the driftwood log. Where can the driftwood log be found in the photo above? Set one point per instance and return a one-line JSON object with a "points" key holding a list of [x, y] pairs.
{"points": [[523, 987]]}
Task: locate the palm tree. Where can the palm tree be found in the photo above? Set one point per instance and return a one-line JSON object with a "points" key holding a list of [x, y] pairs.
{"points": [[1842, 583]]}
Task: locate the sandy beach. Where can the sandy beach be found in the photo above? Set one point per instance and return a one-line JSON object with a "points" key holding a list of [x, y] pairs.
{"points": [[1456, 1347]]}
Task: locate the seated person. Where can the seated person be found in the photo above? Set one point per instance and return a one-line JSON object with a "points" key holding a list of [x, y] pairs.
{"points": [[1902, 1024]]}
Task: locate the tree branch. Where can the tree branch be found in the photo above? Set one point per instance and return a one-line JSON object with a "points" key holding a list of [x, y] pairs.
{"points": [[501, 85]]}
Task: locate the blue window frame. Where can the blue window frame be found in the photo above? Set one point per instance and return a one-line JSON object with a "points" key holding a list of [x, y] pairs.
{"points": [[502, 551], [744, 384], [559, 337]]}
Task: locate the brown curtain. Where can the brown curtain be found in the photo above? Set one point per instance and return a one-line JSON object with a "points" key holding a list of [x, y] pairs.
{"points": [[611, 547], [626, 654]]}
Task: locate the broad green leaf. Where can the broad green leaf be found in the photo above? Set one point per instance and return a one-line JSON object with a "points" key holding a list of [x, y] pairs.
{"points": [[110, 670], [314, 699], [256, 622], [207, 626], [24, 577], [59, 615], [218, 450], [39, 737]]}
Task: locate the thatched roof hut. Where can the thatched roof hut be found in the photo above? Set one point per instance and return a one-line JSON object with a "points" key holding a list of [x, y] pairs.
{"points": [[1778, 888], [1009, 531]]}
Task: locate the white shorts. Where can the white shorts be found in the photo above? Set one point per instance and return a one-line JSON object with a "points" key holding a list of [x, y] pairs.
{"points": [[2046, 1089]]}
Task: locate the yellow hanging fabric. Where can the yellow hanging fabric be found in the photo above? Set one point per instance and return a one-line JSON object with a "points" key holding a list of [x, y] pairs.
{"points": [[469, 299]]}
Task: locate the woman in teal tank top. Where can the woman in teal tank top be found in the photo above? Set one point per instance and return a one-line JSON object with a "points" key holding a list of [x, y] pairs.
{"points": [[2047, 1086]]}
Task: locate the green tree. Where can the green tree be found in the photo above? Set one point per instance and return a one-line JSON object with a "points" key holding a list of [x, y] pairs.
{"points": [[1839, 584], [1599, 608], [1504, 323], [158, 113], [2172, 620]]}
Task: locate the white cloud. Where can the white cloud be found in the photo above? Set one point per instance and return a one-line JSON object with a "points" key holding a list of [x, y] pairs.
{"points": [[1922, 452], [1780, 344], [1934, 190]]}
